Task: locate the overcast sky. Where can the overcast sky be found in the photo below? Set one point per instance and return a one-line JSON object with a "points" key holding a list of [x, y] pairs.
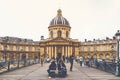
{"points": [[88, 19]]}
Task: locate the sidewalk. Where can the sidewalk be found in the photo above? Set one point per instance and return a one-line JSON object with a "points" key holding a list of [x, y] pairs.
{"points": [[36, 72]]}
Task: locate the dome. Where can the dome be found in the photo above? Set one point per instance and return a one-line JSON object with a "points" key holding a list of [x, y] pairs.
{"points": [[59, 20]]}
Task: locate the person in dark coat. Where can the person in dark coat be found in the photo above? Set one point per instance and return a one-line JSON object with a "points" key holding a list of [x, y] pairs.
{"points": [[61, 65], [52, 68], [62, 71], [63, 58], [71, 62]]}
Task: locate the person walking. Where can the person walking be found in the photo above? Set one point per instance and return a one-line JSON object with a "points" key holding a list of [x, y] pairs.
{"points": [[88, 62], [42, 60], [81, 60], [71, 62]]}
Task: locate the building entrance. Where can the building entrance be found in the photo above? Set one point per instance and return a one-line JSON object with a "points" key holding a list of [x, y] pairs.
{"points": [[59, 53], [59, 49]]}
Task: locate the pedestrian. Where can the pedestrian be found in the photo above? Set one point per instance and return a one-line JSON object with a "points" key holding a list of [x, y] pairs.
{"points": [[88, 62], [77, 59], [61, 65], [35, 59], [62, 71], [91, 61], [52, 66], [42, 60], [96, 63], [51, 69], [48, 60], [63, 58], [71, 62], [81, 60]]}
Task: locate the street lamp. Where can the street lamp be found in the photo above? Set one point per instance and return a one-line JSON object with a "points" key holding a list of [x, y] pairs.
{"points": [[118, 52], [113, 54], [39, 55], [5, 47], [18, 53]]}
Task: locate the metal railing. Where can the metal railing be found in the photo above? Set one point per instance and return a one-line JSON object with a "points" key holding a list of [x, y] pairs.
{"points": [[106, 66], [16, 64]]}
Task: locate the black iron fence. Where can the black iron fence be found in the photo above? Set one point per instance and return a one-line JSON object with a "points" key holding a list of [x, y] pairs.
{"points": [[16, 64], [107, 66]]}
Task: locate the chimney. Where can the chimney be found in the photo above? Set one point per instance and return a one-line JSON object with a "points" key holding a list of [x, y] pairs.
{"points": [[42, 37], [107, 38], [114, 37], [85, 40]]}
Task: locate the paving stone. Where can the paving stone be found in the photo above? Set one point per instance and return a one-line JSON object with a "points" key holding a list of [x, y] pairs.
{"points": [[36, 72]]}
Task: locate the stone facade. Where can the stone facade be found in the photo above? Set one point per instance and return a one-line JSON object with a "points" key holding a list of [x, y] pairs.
{"points": [[100, 49], [11, 48], [59, 43]]}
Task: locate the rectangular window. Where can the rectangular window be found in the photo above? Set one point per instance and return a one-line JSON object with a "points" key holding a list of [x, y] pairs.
{"points": [[100, 47], [88, 48], [107, 47], [94, 48], [82, 48], [11, 47]]}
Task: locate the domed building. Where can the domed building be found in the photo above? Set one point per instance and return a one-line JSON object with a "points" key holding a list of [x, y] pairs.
{"points": [[59, 27], [59, 41]]}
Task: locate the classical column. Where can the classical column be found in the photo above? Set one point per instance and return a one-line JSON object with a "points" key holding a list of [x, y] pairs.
{"points": [[51, 52], [63, 50], [70, 50], [55, 51], [67, 51], [47, 50]]}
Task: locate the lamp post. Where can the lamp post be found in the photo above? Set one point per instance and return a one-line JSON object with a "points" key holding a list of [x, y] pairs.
{"points": [[118, 52], [39, 55], [18, 53], [5, 52], [113, 55]]}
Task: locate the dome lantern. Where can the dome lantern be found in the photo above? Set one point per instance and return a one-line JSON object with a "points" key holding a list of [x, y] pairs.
{"points": [[59, 12]]}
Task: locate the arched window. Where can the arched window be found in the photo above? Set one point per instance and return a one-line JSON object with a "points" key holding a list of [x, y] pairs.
{"points": [[59, 33], [51, 33], [107, 56], [88, 56], [67, 34], [94, 56], [101, 56]]}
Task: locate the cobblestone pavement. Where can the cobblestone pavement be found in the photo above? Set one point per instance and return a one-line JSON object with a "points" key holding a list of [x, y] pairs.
{"points": [[37, 72]]}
